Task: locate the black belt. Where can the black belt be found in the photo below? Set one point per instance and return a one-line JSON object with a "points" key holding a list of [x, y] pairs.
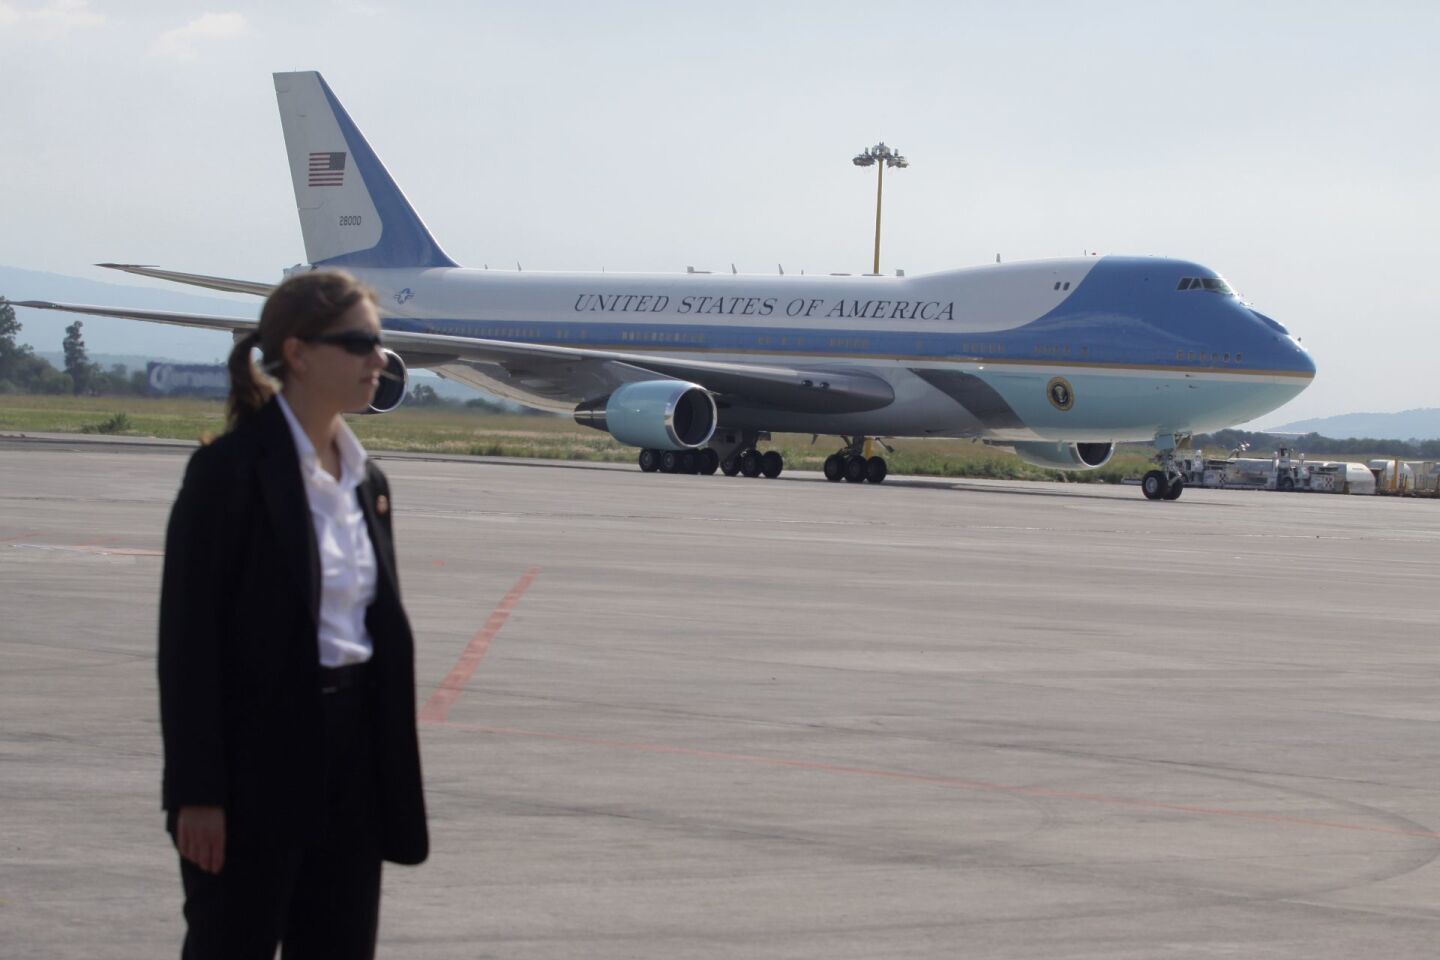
{"points": [[349, 677]]}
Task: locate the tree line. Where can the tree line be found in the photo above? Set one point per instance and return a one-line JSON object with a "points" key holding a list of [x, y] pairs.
{"points": [[424, 395], [1313, 444], [21, 371]]}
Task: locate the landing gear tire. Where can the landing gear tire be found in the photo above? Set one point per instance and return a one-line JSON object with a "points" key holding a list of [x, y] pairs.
{"points": [[730, 466], [709, 461], [835, 467], [649, 460], [771, 463], [876, 470], [1177, 487], [1286, 485], [1154, 485], [855, 469], [750, 463], [689, 461], [669, 461]]}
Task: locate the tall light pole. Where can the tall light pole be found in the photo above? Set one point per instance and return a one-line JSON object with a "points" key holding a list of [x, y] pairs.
{"points": [[881, 157]]}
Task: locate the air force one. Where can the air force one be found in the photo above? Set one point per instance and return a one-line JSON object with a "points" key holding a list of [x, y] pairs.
{"points": [[1056, 359]]}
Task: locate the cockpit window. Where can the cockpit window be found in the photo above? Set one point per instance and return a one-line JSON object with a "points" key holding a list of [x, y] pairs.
{"points": [[1213, 284]]}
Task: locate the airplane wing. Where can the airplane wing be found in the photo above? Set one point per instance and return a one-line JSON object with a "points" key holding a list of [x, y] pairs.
{"points": [[570, 375]]}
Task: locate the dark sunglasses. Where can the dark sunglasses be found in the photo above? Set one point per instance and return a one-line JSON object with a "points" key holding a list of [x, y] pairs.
{"points": [[357, 342]]}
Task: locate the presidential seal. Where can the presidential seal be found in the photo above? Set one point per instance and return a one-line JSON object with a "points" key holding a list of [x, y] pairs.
{"points": [[1061, 396]]}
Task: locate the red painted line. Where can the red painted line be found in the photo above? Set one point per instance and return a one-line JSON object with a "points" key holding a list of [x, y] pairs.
{"points": [[957, 782], [438, 706], [21, 536]]}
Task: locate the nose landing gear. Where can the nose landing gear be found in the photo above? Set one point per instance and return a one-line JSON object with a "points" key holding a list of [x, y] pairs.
{"points": [[1166, 483], [1156, 485]]}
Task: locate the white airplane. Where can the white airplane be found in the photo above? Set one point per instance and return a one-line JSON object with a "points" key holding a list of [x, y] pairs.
{"points": [[1056, 359]]}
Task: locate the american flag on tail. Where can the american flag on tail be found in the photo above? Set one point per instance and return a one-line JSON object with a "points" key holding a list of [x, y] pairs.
{"points": [[327, 169]]}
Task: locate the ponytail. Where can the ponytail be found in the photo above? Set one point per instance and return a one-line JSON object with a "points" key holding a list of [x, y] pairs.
{"points": [[305, 305], [249, 388]]}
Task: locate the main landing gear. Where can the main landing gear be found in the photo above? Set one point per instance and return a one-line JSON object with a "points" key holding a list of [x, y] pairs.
{"points": [[734, 454], [731, 453], [1166, 483], [753, 463], [679, 461], [855, 464]]}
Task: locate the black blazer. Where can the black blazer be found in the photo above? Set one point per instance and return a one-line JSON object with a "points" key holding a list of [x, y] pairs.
{"points": [[240, 701]]}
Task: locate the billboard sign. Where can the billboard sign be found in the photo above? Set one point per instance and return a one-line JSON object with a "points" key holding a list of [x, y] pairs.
{"points": [[188, 380]]}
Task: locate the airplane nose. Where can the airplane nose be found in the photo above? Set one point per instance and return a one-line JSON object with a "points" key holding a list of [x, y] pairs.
{"points": [[1303, 361], [1295, 357]]}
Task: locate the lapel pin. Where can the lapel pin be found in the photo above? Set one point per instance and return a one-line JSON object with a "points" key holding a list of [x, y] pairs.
{"points": [[382, 504]]}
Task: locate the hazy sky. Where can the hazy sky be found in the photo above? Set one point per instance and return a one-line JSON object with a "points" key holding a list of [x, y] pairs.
{"points": [[1291, 146]]}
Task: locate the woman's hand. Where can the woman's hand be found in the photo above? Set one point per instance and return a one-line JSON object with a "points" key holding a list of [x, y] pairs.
{"points": [[200, 837]]}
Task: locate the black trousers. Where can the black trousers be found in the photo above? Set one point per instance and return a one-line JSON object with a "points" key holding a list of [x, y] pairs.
{"points": [[320, 899]]}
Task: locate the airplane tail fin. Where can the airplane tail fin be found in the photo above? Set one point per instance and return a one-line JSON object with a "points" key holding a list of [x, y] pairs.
{"points": [[351, 212]]}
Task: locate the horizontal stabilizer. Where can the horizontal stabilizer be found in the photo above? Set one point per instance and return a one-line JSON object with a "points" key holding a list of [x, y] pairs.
{"points": [[194, 279]]}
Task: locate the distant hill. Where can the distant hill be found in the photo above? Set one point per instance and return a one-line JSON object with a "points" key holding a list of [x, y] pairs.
{"points": [[1419, 424]]}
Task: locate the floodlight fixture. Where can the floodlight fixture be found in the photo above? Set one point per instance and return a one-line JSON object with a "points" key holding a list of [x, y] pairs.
{"points": [[879, 156]]}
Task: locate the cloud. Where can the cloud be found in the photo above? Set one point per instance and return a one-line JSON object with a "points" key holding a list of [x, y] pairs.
{"points": [[52, 16], [183, 43]]}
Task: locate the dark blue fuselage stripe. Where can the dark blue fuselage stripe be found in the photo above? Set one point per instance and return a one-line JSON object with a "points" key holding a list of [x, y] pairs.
{"points": [[1021, 345]]}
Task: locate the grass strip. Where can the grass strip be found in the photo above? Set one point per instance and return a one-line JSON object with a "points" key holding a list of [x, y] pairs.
{"points": [[461, 431]]}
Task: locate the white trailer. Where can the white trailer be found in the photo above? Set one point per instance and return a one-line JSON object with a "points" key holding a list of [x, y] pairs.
{"points": [[1283, 471]]}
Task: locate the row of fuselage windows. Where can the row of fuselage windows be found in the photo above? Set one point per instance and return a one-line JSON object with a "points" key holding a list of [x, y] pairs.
{"points": [[1213, 284], [634, 336], [1060, 350], [660, 336], [1205, 357]]}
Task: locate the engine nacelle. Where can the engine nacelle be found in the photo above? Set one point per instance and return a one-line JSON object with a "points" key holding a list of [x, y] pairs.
{"points": [[654, 414], [393, 380], [1064, 456]]}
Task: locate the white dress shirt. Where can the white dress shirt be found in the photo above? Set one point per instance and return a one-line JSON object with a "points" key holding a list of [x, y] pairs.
{"points": [[347, 558]]}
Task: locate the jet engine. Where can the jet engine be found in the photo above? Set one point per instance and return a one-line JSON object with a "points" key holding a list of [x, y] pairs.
{"points": [[393, 380], [1064, 456], [654, 415]]}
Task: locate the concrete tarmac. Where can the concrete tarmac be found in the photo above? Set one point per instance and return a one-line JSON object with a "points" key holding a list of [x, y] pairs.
{"points": [[702, 717]]}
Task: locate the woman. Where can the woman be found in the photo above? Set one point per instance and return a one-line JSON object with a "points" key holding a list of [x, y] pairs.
{"points": [[287, 694]]}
